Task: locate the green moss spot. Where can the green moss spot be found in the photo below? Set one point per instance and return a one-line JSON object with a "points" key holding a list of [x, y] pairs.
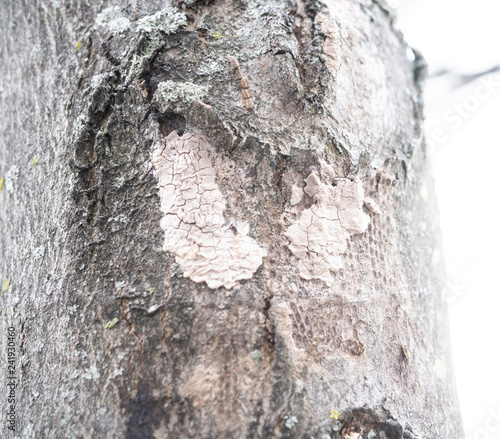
{"points": [[111, 323], [151, 290], [6, 285], [35, 161], [78, 45], [5, 311], [1, 182], [216, 35], [334, 414]]}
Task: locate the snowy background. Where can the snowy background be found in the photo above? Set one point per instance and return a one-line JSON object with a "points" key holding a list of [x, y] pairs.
{"points": [[460, 40]]}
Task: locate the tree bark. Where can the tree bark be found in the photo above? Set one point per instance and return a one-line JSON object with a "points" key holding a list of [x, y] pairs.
{"points": [[218, 221]]}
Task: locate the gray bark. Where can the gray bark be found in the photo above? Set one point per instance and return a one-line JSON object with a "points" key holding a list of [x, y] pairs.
{"points": [[113, 340]]}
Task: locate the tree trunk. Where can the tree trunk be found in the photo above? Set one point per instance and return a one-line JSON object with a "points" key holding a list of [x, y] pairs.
{"points": [[217, 221]]}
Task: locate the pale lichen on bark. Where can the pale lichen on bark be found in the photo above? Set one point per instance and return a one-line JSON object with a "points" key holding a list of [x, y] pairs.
{"points": [[193, 208], [113, 19], [177, 96]]}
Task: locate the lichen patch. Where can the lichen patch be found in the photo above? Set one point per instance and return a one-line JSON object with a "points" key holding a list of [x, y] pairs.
{"points": [[193, 216], [168, 20], [177, 96], [319, 237], [112, 19]]}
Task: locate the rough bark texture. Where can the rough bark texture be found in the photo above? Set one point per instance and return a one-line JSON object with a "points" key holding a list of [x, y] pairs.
{"points": [[115, 339]]}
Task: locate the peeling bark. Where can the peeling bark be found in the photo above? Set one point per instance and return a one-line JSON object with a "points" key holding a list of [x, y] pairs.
{"points": [[114, 338]]}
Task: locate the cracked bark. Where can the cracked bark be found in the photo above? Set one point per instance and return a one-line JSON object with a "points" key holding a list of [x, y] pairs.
{"points": [[81, 242]]}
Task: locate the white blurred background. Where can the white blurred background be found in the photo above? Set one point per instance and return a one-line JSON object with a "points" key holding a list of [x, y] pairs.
{"points": [[460, 40]]}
